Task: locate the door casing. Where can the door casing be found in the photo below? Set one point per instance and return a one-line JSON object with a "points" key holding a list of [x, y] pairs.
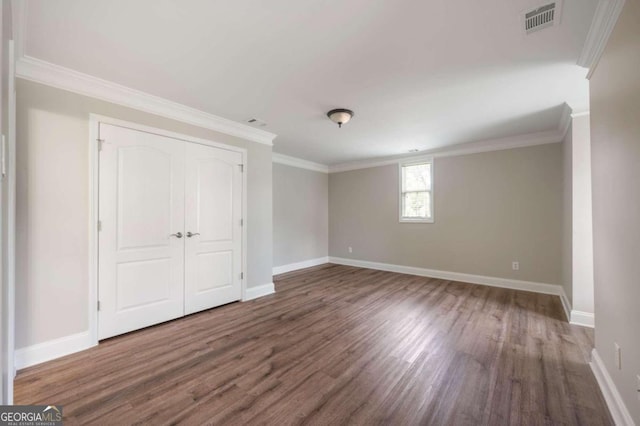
{"points": [[94, 187]]}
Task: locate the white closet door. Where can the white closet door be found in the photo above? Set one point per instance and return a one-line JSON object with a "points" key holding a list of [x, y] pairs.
{"points": [[213, 216], [141, 265]]}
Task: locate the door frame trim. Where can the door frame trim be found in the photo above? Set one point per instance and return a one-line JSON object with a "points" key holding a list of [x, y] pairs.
{"points": [[94, 187]]}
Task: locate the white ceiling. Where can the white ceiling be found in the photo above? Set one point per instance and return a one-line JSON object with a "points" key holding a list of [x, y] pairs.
{"points": [[418, 74]]}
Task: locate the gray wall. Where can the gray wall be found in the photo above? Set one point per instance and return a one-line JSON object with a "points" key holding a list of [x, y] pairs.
{"points": [[490, 208], [615, 137], [567, 216], [300, 214], [53, 207]]}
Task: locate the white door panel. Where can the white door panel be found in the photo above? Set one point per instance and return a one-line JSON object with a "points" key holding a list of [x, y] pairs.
{"points": [[213, 214], [214, 198], [141, 266], [144, 187], [215, 270]]}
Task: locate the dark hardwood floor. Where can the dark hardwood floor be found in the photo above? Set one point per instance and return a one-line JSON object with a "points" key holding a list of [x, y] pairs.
{"points": [[339, 345]]}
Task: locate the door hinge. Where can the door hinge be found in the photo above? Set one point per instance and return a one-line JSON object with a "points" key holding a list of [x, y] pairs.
{"points": [[100, 143], [241, 167], [241, 222], [98, 305], [241, 275], [99, 225]]}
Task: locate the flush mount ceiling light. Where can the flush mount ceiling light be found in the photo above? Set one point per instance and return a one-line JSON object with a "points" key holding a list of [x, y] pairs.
{"points": [[340, 116]]}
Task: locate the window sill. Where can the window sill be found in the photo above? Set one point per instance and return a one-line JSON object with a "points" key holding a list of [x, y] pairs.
{"points": [[416, 220]]}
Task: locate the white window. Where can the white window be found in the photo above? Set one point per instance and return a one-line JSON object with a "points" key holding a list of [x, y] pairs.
{"points": [[416, 191]]}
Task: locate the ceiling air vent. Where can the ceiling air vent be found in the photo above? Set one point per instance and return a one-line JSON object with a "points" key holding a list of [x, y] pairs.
{"points": [[540, 18]]}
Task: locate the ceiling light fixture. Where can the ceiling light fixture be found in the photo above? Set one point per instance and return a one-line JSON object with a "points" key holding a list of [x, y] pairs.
{"points": [[340, 116]]}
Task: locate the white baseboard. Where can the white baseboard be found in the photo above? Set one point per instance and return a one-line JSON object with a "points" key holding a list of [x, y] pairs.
{"points": [[300, 265], [255, 292], [566, 305], [585, 319], [46, 351], [617, 408], [454, 276]]}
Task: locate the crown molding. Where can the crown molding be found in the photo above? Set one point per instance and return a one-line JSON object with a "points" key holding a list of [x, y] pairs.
{"points": [[521, 141], [366, 164], [299, 163], [602, 25], [580, 114], [43, 72], [39, 71], [567, 117]]}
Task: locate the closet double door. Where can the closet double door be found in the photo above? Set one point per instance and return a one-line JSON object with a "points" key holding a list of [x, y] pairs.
{"points": [[170, 218]]}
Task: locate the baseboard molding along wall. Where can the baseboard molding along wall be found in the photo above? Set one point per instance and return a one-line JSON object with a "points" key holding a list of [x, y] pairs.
{"points": [[552, 289], [52, 349], [566, 305], [454, 276], [300, 265], [259, 291], [584, 319], [46, 351], [617, 408]]}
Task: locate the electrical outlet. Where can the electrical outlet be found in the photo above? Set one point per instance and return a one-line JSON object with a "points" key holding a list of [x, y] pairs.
{"points": [[350, 249], [515, 265], [618, 356]]}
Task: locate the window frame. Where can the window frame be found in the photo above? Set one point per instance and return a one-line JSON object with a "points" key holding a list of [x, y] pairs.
{"points": [[415, 162]]}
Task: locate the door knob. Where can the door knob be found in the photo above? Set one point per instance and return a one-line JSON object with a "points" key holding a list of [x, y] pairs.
{"points": [[178, 235], [190, 234]]}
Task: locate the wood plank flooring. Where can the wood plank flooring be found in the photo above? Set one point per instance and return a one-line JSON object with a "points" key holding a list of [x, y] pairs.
{"points": [[339, 345]]}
